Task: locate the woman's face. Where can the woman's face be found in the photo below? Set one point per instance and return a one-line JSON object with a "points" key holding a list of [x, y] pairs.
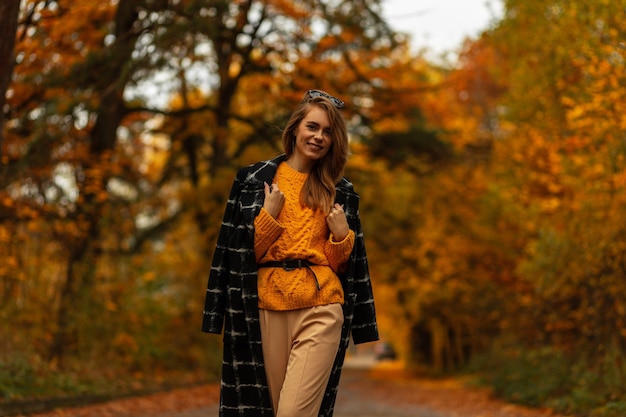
{"points": [[313, 140]]}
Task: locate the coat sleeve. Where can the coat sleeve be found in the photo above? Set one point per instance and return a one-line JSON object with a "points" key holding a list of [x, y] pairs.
{"points": [[215, 302], [364, 325]]}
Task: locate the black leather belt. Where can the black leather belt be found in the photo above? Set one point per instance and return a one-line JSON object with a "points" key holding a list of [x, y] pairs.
{"points": [[290, 265]]}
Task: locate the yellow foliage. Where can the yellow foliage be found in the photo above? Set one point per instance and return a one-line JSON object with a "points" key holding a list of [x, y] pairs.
{"points": [[149, 276]]}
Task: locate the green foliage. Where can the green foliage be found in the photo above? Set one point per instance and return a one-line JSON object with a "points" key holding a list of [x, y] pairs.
{"points": [[578, 383], [16, 376], [529, 377], [24, 375]]}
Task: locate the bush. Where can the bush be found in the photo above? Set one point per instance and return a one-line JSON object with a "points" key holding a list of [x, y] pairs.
{"points": [[16, 375], [547, 377], [26, 376]]}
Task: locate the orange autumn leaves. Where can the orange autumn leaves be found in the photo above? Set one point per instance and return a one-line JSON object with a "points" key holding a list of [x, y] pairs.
{"points": [[492, 189]]}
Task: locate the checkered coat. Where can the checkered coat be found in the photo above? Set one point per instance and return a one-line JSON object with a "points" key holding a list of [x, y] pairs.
{"points": [[232, 299]]}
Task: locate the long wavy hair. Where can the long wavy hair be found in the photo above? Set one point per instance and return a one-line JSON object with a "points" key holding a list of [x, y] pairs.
{"points": [[319, 189]]}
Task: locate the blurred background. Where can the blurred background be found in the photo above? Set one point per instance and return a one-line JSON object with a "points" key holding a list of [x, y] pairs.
{"points": [[491, 172]]}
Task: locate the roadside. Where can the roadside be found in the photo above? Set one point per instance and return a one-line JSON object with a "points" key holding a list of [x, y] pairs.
{"points": [[388, 387], [368, 389]]}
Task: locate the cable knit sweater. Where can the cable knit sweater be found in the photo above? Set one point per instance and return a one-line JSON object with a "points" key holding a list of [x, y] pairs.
{"points": [[298, 232]]}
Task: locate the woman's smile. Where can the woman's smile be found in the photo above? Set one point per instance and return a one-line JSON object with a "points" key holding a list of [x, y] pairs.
{"points": [[312, 140]]}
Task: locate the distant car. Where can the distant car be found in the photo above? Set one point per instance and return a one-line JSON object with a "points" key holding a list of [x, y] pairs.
{"points": [[384, 351]]}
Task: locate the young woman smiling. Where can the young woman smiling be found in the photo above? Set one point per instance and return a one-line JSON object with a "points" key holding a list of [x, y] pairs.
{"points": [[289, 275]]}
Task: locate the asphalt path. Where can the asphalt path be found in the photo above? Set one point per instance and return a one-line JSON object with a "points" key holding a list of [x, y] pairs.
{"points": [[359, 395], [362, 396]]}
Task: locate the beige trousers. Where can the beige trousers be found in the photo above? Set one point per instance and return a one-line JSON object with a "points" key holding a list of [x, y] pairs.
{"points": [[299, 348]]}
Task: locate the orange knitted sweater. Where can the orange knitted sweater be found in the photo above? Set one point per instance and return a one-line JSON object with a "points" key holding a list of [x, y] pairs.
{"points": [[298, 232]]}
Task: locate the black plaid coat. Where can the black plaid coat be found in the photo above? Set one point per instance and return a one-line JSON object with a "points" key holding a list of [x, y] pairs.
{"points": [[231, 300]]}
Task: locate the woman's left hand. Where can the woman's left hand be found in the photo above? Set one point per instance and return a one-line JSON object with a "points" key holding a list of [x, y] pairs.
{"points": [[338, 223]]}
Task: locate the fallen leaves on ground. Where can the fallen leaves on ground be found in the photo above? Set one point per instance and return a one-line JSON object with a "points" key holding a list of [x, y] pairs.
{"points": [[449, 397], [171, 401]]}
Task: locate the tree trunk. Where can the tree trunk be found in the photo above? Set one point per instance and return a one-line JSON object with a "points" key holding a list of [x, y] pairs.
{"points": [[439, 342], [96, 175], [62, 337], [459, 344], [9, 12]]}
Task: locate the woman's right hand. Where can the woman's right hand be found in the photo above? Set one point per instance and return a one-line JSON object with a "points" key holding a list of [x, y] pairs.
{"points": [[274, 199]]}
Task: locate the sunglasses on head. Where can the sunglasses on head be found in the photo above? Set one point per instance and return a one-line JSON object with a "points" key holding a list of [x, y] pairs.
{"points": [[318, 93]]}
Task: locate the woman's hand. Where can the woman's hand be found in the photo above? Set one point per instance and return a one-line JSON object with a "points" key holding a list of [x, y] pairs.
{"points": [[338, 223], [274, 200]]}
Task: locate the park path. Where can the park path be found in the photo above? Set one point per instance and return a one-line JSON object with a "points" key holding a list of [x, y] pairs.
{"points": [[360, 395], [367, 389]]}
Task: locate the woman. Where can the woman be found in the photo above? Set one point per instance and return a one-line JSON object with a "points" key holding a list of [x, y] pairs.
{"points": [[289, 275]]}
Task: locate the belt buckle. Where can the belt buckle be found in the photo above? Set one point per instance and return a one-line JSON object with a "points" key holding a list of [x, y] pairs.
{"points": [[297, 263]]}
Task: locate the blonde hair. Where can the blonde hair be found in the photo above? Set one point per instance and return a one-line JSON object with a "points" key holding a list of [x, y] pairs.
{"points": [[319, 189]]}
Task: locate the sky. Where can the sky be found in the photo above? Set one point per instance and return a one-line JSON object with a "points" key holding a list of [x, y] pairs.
{"points": [[441, 25]]}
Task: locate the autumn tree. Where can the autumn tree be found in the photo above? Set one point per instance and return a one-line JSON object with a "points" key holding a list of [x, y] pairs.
{"points": [[451, 269], [107, 165], [557, 166]]}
